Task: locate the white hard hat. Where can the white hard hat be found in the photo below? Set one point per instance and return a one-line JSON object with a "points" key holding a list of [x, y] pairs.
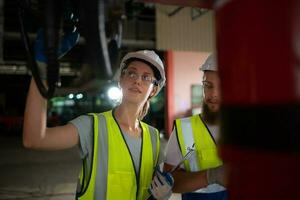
{"points": [[210, 63], [152, 58]]}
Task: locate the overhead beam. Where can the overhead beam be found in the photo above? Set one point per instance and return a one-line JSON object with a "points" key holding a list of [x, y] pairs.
{"points": [[19, 68], [191, 3], [150, 44]]}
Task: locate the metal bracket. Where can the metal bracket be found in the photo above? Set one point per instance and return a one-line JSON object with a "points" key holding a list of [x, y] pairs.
{"points": [[175, 11], [195, 12], [198, 12]]}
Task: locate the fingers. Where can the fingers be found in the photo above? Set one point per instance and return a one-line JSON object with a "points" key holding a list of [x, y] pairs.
{"points": [[160, 187], [156, 182], [165, 178], [162, 179]]}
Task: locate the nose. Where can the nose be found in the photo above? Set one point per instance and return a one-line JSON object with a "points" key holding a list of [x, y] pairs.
{"points": [[215, 93], [138, 80]]}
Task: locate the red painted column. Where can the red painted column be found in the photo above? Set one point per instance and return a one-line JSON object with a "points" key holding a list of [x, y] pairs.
{"points": [[169, 68], [258, 45]]}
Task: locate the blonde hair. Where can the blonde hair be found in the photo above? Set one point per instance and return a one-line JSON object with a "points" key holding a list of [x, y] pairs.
{"points": [[146, 106], [144, 110]]}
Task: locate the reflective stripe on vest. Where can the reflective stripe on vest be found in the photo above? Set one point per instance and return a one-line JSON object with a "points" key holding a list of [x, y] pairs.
{"points": [[191, 131], [122, 181]]}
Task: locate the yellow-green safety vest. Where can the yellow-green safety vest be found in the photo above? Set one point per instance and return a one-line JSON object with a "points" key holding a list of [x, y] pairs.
{"points": [[192, 131], [122, 180]]}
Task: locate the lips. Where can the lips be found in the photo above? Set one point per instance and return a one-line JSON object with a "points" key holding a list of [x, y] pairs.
{"points": [[135, 89], [213, 101]]}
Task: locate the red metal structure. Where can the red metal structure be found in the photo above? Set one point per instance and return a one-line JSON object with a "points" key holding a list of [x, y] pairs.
{"points": [[260, 115], [258, 44]]}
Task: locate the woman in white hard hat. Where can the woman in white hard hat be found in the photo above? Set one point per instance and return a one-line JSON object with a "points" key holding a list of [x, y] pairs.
{"points": [[119, 152]]}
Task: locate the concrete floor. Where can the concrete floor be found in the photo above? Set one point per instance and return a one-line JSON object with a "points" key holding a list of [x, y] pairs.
{"points": [[38, 175], [27, 174]]}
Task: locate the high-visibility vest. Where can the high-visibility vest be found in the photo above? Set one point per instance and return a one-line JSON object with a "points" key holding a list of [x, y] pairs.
{"points": [[122, 180], [192, 132]]}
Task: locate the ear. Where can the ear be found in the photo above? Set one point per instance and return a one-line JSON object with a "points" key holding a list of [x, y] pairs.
{"points": [[153, 92]]}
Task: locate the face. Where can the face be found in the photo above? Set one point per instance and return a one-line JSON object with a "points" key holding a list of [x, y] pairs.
{"points": [[212, 92], [137, 82]]}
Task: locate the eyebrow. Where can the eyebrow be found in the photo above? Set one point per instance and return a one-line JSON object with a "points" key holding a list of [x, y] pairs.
{"points": [[135, 69], [132, 67]]}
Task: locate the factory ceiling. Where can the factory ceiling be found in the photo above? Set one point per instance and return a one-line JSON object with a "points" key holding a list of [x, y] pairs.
{"points": [[130, 25]]}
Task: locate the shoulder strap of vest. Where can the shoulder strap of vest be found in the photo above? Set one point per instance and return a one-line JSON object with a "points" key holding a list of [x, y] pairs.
{"points": [[193, 130], [85, 179], [206, 128], [180, 140], [154, 134], [155, 141]]}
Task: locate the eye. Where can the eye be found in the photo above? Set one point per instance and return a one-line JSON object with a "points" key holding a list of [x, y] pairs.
{"points": [[207, 85], [147, 78], [131, 74]]}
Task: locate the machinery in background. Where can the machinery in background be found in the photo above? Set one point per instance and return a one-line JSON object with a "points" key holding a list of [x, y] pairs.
{"points": [[90, 18]]}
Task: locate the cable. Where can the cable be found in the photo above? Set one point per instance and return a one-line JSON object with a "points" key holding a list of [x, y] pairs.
{"points": [[52, 17]]}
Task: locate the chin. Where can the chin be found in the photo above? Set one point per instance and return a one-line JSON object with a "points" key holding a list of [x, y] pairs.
{"points": [[132, 99], [214, 108]]}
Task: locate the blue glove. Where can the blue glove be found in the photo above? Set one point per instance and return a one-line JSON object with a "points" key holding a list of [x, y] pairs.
{"points": [[161, 186], [67, 42]]}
